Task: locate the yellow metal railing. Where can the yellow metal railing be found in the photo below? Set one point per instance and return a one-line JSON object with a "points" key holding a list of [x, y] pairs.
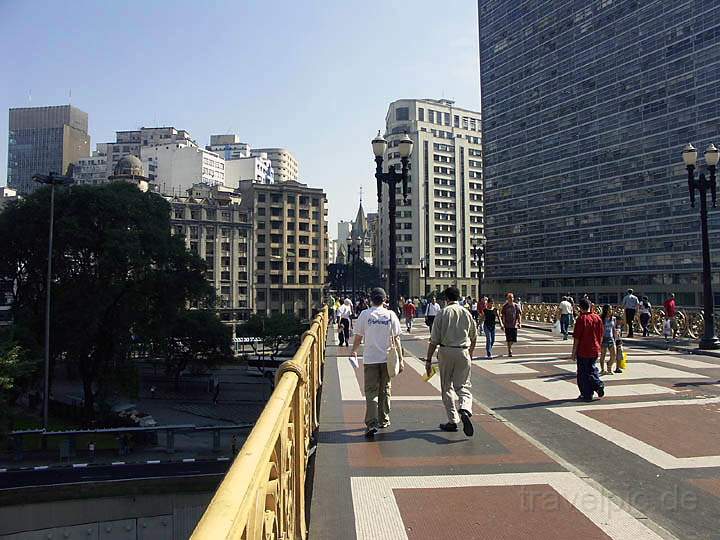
{"points": [[263, 493]]}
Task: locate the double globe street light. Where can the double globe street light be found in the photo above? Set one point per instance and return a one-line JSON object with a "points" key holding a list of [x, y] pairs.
{"points": [[703, 185], [392, 178]]}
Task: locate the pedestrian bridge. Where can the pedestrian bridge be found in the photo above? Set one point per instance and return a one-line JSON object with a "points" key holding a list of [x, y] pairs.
{"points": [[307, 471]]}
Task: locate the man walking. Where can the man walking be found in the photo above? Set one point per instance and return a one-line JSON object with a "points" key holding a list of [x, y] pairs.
{"points": [[670, 312], [455, 332], [344, 314], [630, 303], [588, 335], [511, 320], [565, 309], [410, 311], [376, 325], [431, 311]]}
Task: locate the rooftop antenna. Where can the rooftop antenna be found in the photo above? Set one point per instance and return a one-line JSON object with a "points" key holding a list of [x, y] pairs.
{"points": [[30, 96], [360, 195], [70, 97]]}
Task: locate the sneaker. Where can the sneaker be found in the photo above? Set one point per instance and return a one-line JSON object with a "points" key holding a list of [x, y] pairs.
{"points": [[384, 425], [468, 428], [585, 399], [488, 356], [601, 392], [618, 370], [603, 372], [450, 426], [370, 432], [509, 354]]}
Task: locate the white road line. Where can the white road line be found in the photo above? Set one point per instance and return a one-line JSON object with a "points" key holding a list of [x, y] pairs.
{"points": [[152, 461], [223, 459], [79, 465], [188, 460], [41, 467], [118, 463]]}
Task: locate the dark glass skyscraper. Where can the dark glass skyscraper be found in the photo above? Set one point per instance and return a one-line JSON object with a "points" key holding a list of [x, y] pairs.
{"points": [[586, 107], [43, 140]]}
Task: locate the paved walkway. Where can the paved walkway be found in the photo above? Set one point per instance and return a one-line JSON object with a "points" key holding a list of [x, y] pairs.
{"points": [[643, 463]]}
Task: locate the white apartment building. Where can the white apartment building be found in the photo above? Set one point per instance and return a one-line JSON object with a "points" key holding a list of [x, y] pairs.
{"points": [[444, 214], [240, 164], [284, 164], [228, 147], [177, 167], [130, 142]]}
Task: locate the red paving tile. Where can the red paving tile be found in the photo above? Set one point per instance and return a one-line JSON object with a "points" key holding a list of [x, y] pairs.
{"points": [[493, 513], [408, 383], [680, 430], [709, 485]]}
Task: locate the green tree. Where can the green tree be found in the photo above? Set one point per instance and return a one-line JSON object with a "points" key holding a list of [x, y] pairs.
{"points": [[197, 341], [120, 279], [19, 367], [275, 331]]}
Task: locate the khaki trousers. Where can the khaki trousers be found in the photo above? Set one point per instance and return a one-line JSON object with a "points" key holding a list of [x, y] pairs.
{"points": [[454, 367], [377, 394]]}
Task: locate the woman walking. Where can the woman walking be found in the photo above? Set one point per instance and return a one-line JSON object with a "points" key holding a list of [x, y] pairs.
{"points": [[645, 310], [608, 341], [490, 319]]}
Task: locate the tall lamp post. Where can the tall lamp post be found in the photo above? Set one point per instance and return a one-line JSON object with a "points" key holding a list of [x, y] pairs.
{"points": [[391, 178], [478, 250], [354, 252], [52, 180], [424, 268], [702, 185]]}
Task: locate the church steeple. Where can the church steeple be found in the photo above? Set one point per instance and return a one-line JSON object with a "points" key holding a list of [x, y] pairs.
{"points": [[360, 226]]}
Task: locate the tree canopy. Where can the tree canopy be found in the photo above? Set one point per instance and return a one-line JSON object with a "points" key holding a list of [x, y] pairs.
{"points": [[120, 278]]}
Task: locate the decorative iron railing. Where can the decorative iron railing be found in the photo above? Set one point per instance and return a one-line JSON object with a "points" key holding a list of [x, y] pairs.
{"points": [[263, 493], [689, 320]]}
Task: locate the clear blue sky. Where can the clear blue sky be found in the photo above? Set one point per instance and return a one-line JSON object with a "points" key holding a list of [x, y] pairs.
{"points": [[314, 76]]}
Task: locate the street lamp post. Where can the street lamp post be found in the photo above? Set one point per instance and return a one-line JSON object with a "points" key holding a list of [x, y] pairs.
{"points": [[478, 250], [702, 185], [424, 268], [391, 178], [354, 252], [52, 180]]}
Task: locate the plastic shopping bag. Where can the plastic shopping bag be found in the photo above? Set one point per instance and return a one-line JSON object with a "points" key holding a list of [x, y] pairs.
{"points": [[433, 370], [622, 363], [556, 329]]}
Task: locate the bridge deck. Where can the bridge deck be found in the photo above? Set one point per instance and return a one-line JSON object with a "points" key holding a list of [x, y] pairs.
{"points": [[540, 465]]}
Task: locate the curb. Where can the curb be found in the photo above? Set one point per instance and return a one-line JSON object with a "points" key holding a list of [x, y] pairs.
{"points": [[55, 467]]}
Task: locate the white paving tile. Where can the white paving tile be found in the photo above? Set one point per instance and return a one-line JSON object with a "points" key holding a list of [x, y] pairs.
{"points": [[503, 368], [554, 389], [679, 360], [378, 517], [642, 370]]}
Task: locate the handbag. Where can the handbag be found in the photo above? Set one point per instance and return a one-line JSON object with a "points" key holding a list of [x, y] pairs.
{"points": [[394, 357]]}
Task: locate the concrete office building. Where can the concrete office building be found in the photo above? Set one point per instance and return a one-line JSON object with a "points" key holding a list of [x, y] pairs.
{"points": [[217, 227], [586, 108], [284, 164], [178, 166], [92, 170], [43, 140], [291, 245], [444, 214], [130, 143]]}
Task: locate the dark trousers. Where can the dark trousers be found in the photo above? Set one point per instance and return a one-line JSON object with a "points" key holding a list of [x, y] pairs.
{"points": [[644, 320], [430, 320], [344, 332], [564, 324], [588, 377], [629, 318]]}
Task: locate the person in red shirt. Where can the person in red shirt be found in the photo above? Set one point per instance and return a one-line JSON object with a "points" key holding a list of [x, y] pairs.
{"points": [[588, 334], [670, 312], [409, 310]]}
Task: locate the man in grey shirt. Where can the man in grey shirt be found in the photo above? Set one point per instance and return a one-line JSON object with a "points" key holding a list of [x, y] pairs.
{"points": [[455, 332], [630, 303]]}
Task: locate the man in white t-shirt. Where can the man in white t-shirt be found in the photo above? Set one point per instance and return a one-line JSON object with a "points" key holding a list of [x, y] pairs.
{"points": [[565, 310], [376, 326], [432, 310]]}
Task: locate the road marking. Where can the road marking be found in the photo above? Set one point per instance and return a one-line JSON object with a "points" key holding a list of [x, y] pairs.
{"points": [[118, 463], [79, 465], [188, 460], [377, 515], [502, 368], [642, 449], [223, 459], [3, 470], [41, 467], [152, 461]]}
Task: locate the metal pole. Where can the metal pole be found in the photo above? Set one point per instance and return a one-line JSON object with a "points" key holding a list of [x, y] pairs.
{"points": [[47, 309], [392, 244], [354, 260], [709, 339]]}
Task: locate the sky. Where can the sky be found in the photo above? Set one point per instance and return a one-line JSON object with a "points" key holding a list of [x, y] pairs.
{"points": [[313, 76]]}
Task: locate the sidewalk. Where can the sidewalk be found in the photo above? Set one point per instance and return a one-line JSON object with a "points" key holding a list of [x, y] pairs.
{"points": [[414, 481]]}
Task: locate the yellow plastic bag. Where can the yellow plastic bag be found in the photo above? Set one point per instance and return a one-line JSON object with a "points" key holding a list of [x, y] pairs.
{"points": [[433, 370], [622, 364]]}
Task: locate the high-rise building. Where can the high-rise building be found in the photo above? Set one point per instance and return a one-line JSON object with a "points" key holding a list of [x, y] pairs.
{"points": [[586, 107], [176, 167], [291, 245], [92, 170], [218, 228], [43, 140], [284, 164], [444, 214]]}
